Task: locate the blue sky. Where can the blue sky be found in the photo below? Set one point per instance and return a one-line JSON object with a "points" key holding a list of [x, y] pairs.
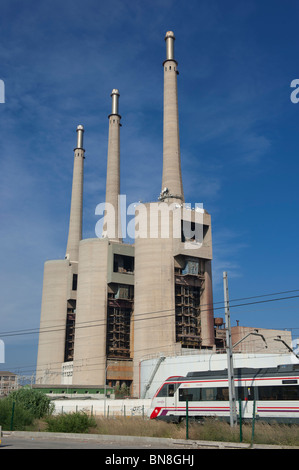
{"points": [[238, 129]]}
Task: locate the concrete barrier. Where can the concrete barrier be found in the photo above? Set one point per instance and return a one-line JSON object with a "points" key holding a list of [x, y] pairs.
{"points": [[101, 407]]}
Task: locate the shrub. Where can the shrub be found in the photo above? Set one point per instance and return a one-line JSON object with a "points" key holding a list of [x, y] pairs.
{"points": [[13, 415], [121, 392], [71, 422], [35, 401]]}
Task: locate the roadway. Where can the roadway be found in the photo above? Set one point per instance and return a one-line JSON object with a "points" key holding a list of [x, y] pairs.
{"points": [[45, 440], [14, 441]]}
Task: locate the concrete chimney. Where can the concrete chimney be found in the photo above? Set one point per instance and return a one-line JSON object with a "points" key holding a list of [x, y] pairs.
{"points": [[75, 224], [112, 225], [172, 187]]}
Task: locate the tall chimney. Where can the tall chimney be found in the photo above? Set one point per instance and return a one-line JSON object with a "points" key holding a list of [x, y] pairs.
{"points": [[75, 224], [172, 187], [112, 225]]}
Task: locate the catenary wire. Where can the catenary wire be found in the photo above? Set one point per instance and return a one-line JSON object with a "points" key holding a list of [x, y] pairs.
{"points": [[55, 328]]}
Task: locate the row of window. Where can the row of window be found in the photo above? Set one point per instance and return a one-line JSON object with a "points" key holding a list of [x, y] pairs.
{"points": [[169, 68], [276, 392]]}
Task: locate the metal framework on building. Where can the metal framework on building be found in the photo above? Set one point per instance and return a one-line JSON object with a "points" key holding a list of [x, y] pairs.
{"points": [[189, 284], [119, 313], [70, 331]]}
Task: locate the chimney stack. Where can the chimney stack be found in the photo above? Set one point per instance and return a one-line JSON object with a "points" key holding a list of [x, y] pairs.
{"points": [[75, 224], [80, 131], [115, 98], [169, 39], [172, 187], [112, 224]]}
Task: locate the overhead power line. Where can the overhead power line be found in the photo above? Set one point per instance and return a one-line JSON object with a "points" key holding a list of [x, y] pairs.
{"points": [[94, 323]]}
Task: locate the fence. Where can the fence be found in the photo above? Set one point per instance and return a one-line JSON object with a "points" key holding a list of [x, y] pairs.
{"points": [[101, 407]]}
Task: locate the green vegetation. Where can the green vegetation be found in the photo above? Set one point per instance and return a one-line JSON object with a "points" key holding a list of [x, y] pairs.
{"points": [[32, 410], [208, 430], [34, 401], [264, 433], [20, 408], [14, 415], [71, 422], [121, 392]]}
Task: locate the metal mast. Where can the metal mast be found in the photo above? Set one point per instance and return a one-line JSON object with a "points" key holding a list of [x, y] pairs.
{"points": [[229, 350]]}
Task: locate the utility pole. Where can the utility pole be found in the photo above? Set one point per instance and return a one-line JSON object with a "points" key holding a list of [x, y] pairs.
{"points": [[229, 350]]}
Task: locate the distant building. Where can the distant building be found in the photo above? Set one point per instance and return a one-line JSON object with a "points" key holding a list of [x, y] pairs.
{"points": [[258, 340], [247, 339], [8, 382]]}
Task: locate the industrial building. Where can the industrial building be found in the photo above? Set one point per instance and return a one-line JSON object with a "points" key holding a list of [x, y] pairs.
{"points": [[102, 304], [109, 305], [8, 382]]}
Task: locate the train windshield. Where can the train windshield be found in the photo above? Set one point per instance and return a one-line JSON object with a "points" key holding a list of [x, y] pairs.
{"points": [[168, 390]]}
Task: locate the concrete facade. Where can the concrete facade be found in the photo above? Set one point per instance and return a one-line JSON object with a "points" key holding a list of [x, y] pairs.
{"points": [[129, 300], [112, 225], [90, 331], [173, 306], [249, 340], [75, 224], [59, 287], [51, 347], [110, 305]]}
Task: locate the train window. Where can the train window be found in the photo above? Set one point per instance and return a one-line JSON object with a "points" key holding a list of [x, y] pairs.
{"points": [[222, 394], [288, 392], [204, 394], [245, 393], [291, 393], [163, 391], [268, 393], [192, 394], [168, 390], [240, 395], [209, 394], [215, 394], [250, 393]]}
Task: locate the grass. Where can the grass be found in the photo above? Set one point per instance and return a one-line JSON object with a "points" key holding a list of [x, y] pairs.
{"points": [[208, 430], [70, 422]]}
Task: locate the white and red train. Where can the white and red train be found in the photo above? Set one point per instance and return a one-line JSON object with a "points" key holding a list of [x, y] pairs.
{"points": [[272, 394]]}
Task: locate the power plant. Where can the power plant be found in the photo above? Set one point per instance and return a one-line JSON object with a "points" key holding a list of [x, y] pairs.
{"points": [[109, 305]]}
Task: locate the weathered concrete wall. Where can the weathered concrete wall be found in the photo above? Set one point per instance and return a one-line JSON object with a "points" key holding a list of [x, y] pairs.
{"points": [[91, 316]]}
